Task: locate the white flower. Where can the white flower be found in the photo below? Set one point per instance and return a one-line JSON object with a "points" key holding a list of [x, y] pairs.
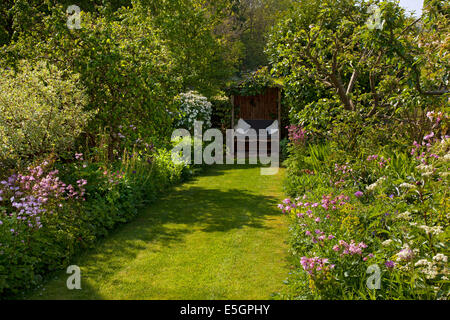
{"points": [[376, 184], [423, 167], [440, 258], [387, 242], [428, 268], [404, 215], [432, 230], [407, 185], [446, 157], [422, 262]]}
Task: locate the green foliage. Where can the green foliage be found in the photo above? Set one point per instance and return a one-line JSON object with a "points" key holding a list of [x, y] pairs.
{"points": [[132, 61], [337, 70], [221, 112], [200, 56], [391, 205], [253, 83], [252, 21], [41, 111], [113, 195]]}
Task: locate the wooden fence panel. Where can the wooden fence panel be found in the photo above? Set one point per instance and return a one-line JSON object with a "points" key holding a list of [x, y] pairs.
{"points": [[261, 107]]}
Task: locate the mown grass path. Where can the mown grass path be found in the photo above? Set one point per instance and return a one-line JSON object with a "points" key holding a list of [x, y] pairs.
{"points": [[219, 236]]}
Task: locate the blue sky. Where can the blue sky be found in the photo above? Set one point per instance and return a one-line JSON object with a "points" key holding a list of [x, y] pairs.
{"points": [[410, 5]]}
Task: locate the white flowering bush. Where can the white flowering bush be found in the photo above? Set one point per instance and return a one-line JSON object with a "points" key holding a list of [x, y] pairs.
{"points": [[193, 107], [41, 111]]}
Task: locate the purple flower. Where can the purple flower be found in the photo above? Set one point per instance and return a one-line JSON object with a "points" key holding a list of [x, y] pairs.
{"points": [[358, 194], [390, 264], [79, 156], [429, 136]]}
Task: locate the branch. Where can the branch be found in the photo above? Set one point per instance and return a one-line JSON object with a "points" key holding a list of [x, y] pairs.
{"points": [[416, 73], [355, 74], [374, 93]]}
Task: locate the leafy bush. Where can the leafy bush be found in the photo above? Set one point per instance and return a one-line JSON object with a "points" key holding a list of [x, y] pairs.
{"points": [[253, 83], [41, 111], [221, 112], [193, 107], [47, 215]]}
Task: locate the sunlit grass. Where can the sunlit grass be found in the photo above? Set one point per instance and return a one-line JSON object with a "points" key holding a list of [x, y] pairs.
{"points": [[219, 236]]}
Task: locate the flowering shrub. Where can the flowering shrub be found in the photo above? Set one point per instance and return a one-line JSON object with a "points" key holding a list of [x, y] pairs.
{"points": [[193, 107], [25, 198], [48, 214], [40, 111], [381, 215], [297, 135]]}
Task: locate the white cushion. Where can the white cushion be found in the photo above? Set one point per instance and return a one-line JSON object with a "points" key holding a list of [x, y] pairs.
{"points": [[242, 127], [273, 128]]}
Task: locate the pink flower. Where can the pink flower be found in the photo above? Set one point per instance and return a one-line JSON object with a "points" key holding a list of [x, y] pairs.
{"points": [[429, 136], [358, 194]]}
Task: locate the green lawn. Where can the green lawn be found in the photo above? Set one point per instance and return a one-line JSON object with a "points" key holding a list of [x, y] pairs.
{"points": [[219, 236]]}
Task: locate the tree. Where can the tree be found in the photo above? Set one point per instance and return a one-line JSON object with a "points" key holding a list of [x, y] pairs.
{"points": [[19, 16], [373, 71], [246, 26]]}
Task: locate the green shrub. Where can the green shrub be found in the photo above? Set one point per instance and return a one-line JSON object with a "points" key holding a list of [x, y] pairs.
{"points": [[221, 112], [41, 111]]}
